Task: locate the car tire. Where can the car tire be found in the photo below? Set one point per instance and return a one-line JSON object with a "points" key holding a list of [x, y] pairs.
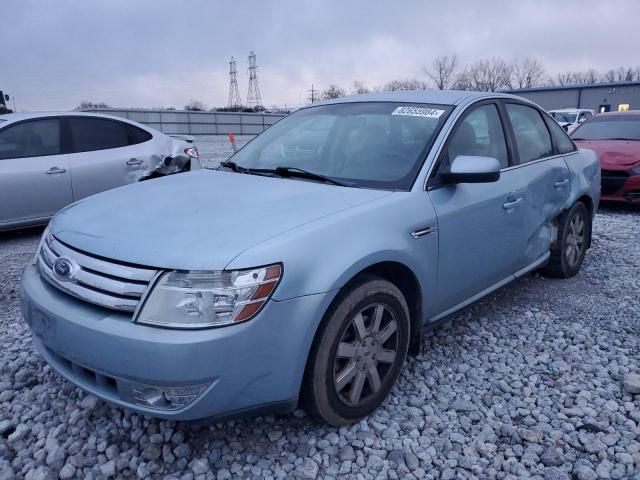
{"points": [[358, 352], [574, 237]]}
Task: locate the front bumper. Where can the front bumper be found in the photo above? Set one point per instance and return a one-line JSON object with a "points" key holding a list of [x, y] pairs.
{"points": [[620, 186], [246, 366]]}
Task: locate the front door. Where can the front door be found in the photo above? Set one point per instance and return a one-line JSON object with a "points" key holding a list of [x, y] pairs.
{"points": [[34, 176], [480, 226]]}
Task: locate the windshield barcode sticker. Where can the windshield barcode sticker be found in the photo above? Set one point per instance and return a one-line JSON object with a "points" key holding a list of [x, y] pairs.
{"points": [[418, 112]]}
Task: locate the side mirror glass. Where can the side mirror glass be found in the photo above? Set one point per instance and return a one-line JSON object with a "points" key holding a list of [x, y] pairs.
{"points": [[473, 169]]}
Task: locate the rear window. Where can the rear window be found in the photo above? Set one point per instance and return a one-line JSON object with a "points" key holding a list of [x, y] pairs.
{"points": [[137, 135], [90, 134], [560, 137], [614, 127]]}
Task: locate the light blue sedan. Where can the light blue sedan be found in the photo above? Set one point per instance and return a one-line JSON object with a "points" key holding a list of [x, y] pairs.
{"points": [[306, 268]]}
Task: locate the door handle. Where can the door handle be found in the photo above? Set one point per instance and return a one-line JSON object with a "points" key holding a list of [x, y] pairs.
{"points": [[55, 171], [511, 203], [561, 183], [134, 161]]}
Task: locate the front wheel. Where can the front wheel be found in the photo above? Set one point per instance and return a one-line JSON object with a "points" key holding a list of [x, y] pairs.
{"points": [[574, 234], [358, 353]]}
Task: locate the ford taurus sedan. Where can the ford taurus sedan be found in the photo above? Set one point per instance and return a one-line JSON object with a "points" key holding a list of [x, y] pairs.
{"points": [[312, 260], [48, 161]]}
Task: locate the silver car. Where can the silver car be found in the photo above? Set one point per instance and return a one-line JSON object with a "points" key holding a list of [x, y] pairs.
{"points": [[50, 160]]}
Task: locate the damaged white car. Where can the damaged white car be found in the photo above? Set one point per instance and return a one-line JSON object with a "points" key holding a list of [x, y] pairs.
{"points": [[50, 160]]}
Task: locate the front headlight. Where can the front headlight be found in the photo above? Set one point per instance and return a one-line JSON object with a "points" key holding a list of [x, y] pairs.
{"points": [[42, 239], [636, 169], [197, 299]]}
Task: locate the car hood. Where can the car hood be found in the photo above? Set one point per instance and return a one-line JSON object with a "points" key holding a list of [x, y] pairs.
{"points": [[614, 154], [197, 220]]}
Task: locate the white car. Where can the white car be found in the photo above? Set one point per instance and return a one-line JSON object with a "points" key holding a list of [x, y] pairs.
{"points": [[49, 160], [570, 118]]}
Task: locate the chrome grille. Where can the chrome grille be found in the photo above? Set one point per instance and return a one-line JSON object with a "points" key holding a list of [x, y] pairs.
{"points": [[101, 282]]}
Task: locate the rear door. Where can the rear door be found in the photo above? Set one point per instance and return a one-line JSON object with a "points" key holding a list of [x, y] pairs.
{"points": [[541, 161], [480, 225], [103, 155], [34, 173]]}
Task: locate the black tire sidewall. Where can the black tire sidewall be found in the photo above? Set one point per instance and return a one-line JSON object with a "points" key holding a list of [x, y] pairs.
{"points": [[568, 269]]}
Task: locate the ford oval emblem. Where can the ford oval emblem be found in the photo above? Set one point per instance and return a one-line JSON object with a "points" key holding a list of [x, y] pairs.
{"points": [[63, 268]]}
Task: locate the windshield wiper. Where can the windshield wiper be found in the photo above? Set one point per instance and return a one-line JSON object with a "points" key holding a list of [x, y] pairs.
{"points": [[300, 173], [285, 172], [229, 164], [240, 169]]}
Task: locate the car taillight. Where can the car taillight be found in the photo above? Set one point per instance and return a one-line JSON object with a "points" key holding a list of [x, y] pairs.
{"points": [[192, 152]]}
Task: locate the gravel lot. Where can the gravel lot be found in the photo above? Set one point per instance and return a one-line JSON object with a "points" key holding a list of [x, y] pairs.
{"points": [[214, 148], [532, 381]]}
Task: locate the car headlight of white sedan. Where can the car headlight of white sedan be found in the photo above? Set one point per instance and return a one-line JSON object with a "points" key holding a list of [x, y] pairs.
{"points": [[197, 299]]}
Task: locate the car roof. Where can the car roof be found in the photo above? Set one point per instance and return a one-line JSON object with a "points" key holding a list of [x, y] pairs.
{"points": [[441, 97], [15, 117]]}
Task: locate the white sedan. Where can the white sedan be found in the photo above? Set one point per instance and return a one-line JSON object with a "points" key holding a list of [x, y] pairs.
{"points": [[49, 160]]}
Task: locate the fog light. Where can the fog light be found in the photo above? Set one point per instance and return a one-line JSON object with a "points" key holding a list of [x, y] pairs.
{"points": [[166, 398]]}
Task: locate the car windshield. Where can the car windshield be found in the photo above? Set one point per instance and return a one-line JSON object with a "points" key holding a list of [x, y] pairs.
{"points": [[609, 127], [364, 144], [567, 117]]}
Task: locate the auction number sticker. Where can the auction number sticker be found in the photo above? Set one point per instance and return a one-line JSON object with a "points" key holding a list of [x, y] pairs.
{"points": [[418, 112]]}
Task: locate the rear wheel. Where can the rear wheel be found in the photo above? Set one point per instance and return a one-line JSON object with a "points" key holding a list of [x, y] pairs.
{"points": [[574, 235], [358, 353]]}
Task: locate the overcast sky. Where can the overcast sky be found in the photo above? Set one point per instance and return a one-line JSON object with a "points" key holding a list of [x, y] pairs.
{"points": [[150, 53]]}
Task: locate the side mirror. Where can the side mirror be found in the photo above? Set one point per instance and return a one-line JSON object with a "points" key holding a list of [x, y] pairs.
{"points": [[6, 97], [472, 169]]}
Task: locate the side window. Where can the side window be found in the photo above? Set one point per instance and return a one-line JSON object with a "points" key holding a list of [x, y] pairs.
{"points": [[34, 138], [136, 134], [560, 137], [479, 134], [532, 137], [90, 134]]}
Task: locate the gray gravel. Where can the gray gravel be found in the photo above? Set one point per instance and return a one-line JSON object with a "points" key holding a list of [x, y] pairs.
{"points": [[214, 148], [539, 380]]}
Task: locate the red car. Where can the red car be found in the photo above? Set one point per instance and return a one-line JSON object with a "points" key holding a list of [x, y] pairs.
{"points": [[615, 138]]}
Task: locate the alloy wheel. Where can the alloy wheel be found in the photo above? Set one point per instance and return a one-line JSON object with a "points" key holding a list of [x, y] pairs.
{"points": [[575, 239], [365, 354]]}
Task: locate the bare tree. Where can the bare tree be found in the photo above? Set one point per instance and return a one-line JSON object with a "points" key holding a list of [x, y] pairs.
{"points": [[196, 106], [91, 106], [442, 71], [487, 75], [406, 84], [332, 92], [526, 73], [359, 88]]}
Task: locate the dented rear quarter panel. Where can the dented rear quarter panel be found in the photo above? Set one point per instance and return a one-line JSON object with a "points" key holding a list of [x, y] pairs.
{"points": [[584, 169]]}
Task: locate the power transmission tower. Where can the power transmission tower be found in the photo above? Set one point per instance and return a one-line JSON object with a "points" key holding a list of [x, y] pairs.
{"points": [[254, 99], [234, 94], [313, 94]]}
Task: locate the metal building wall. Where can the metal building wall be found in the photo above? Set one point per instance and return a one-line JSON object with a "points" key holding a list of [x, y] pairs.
{"points": [[552, 99], [614, 96], [198, 123], [585, 96]]}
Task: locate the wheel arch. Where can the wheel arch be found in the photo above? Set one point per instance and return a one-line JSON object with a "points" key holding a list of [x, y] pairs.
{"points": [[395, 272]]}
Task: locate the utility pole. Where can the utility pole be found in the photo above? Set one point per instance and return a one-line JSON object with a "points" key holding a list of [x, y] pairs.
{"points": [[313, 94], [234, 94], [254, 99]]}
